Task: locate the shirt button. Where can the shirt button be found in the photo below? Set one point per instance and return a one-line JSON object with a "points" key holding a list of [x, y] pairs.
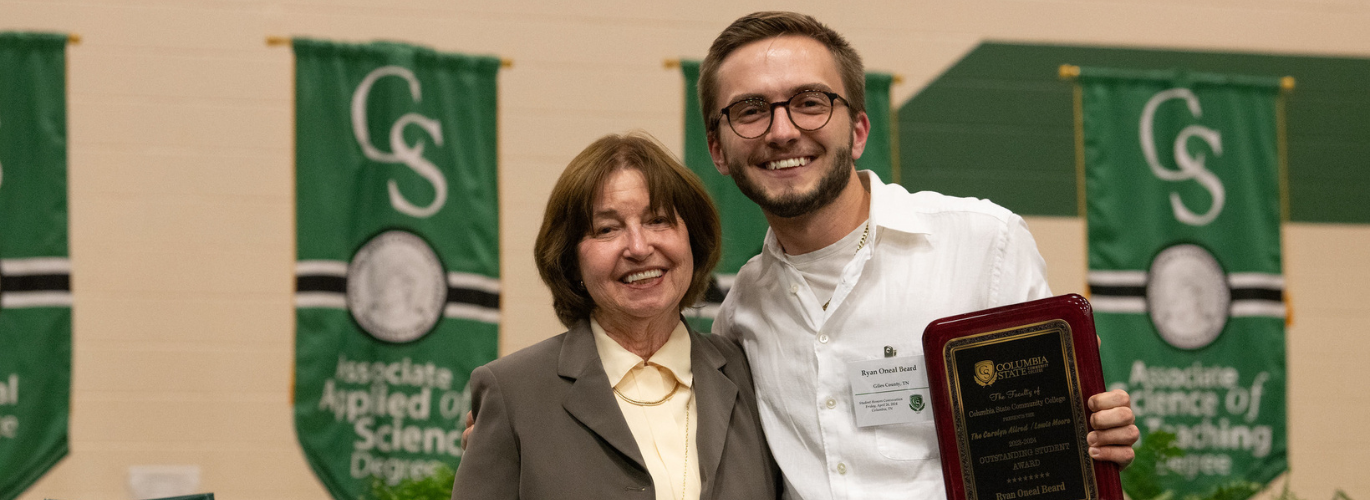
{"points": [[832, 403], [823, 339], [841, 468], [794, 288]]}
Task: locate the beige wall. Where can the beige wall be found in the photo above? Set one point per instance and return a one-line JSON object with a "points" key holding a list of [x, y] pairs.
{"points": [[181, 194]]}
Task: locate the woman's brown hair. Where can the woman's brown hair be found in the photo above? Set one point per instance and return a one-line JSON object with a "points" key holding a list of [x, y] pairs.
{"points": [[567, 220]]}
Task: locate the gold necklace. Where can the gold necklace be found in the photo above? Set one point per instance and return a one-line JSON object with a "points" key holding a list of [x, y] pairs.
{"points": [[658, 402], [685, 469], [859, 245]]}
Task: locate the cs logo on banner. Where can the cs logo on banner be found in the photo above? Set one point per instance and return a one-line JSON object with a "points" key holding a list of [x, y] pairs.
{"points": [[401, 152], [1190, 167]]}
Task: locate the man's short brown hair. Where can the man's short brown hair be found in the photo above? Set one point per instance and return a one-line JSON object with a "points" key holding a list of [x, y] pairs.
{"points": [[764, 25], [570, 211]]}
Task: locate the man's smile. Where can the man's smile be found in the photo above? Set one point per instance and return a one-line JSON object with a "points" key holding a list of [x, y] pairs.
{"points": [[787, 163]]}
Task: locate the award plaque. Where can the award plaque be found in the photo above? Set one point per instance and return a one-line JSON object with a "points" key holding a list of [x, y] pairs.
{"points": [[1009, 387]]}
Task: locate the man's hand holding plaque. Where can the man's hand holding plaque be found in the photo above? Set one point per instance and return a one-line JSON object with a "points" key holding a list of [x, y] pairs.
{"points": [[1114, 432], [1019, 404]]}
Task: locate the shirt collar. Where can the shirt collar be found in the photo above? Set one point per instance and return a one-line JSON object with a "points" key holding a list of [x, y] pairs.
{"points": [[891, 207], [674, 356]]}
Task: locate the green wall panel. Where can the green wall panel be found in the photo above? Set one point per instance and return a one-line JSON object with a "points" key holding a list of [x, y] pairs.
{"points": [[998, 125]]}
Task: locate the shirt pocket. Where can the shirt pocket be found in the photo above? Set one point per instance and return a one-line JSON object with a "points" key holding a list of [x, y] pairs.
{"points": [[911, 441]]}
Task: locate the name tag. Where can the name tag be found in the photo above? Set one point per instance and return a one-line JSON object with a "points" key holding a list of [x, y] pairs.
{"points": [[890, 391]]}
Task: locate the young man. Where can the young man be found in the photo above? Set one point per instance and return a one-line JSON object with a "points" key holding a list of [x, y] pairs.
{"points": [[852, 269]]}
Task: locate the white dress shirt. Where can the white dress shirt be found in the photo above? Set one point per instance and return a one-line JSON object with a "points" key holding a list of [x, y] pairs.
{"points": [[929, 256]]}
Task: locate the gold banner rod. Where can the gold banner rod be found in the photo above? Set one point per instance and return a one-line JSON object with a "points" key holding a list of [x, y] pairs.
{"points": [[283, 41], [1069, 72]]}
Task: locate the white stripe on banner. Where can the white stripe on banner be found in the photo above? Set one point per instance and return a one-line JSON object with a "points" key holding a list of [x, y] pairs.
{"points": [[1117, 278], [1119, 305], [321, 268], [709, 311], [725, 282], [1256, 280], [320, 300], [473, 282], [1239, 308], [474, 313], [35, 265], [335, 300], [1261, 308], [1234, 280], [331, 300], [12, 300]]}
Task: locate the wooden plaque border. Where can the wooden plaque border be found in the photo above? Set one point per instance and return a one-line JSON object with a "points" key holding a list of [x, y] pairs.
{"points": [[1074, 314]]}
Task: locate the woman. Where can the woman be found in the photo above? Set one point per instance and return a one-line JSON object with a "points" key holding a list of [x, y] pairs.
{"points": [[629, 403]]}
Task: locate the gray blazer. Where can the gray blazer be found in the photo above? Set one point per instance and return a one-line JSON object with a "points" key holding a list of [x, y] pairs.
{"points": [[547, 426]]}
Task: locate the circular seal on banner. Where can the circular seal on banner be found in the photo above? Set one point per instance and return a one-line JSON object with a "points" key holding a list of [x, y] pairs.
{"points": [[396, 287], [1187, 296]]}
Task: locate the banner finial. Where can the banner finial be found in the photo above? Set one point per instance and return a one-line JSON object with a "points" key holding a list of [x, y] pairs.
{"points": [[1069, 71]]}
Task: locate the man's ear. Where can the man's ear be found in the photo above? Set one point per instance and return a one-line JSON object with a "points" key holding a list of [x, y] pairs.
{"points": [[716, 152], [860, 131]]}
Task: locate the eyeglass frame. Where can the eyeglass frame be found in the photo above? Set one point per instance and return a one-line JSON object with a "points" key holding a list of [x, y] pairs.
{"points": [[834, 96]]}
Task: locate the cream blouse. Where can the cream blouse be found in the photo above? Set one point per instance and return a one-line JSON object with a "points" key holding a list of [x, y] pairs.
{"points": [[665, 433]]}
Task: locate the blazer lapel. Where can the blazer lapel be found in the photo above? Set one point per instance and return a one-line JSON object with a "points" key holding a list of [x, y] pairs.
{"points": [[715, 396], [591, 398]]}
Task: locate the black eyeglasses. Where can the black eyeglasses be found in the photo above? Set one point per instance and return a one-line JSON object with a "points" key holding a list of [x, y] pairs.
{"points": [[809, 111]]}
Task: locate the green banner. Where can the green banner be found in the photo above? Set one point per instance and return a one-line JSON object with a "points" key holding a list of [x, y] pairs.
{"points": [[397, 283], [1183, 208], [879, 155], [35, 273], [744, 226]]}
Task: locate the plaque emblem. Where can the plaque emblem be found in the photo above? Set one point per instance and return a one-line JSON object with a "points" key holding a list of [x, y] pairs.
{"points": [[396, 287], [984, 373], [1187, 296], [916, 403]]}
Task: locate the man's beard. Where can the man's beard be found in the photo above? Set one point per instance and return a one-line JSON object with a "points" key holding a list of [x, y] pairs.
{"points": [[796, 204]]}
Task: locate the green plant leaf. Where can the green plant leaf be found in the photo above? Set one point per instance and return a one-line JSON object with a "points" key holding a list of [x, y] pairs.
{"points": [[1140, 480], [437, 486]]}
